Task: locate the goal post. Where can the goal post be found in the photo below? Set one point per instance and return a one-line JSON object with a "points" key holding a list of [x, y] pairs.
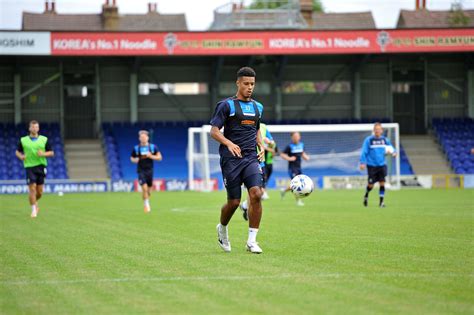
{"points": [[334, 151]]}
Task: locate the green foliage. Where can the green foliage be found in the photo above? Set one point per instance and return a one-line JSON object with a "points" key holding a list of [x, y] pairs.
{"points": [[266, 4], [457, 17]]}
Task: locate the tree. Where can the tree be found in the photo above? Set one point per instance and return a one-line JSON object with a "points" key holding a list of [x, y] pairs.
{"points": [[457, 17], [275, 4]]}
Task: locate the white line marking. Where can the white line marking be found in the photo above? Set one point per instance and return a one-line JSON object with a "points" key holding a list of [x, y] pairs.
{"points": [[320, 276]]}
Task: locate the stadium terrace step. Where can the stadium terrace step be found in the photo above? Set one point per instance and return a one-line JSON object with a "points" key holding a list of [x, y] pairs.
{"points": [[85, 159], [425, 155]]}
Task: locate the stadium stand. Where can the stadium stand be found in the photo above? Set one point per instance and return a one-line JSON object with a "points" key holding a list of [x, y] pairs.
{"points": [[119, 138], [456, 136], [170, 137], [11, 168]]}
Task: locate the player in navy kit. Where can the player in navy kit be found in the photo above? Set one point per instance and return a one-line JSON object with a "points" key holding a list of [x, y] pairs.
{"points": [[373, 157], [144, 154], [240, 116], [293, 153]]}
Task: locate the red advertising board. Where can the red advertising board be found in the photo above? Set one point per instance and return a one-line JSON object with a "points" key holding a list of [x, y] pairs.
{"points": [[263, 43], [173, 185]]}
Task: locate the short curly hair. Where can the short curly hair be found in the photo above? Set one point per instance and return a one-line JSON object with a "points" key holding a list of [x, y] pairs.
{"points": [[246, 72]]}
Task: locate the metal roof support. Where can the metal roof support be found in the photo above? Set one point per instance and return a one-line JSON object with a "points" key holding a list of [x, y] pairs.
{"points": [[446, 81], [280, 70], [61, 100], [17, 96], [352, 67], [98, 98], [470, 85], [214, 84], [134, 90]]}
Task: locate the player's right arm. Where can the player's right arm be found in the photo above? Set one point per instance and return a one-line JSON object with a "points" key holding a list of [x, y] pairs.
{"points": [[363, 155], [285, 155], [218, 119], [217, 135], [134, 157], [20, 152]]}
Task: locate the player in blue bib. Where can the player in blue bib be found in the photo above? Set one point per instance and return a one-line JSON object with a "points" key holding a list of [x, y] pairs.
{"points": [[372, 157], [294, 153], [240, 117], [144, 154]]}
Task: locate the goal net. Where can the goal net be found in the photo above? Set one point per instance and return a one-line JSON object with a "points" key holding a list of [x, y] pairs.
{"points": [[334, 151]]}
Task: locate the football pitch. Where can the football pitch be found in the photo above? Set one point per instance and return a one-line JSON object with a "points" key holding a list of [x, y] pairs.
{"points": [[99, 253]]}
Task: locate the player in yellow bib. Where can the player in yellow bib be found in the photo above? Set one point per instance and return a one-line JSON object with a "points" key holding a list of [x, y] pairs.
{"points": [[33, 151]]}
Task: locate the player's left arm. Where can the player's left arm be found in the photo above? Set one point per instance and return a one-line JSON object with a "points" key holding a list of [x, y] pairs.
{"points": [[387, 140], [261, 148], [48, 151], [305, 156], [156, 156]]}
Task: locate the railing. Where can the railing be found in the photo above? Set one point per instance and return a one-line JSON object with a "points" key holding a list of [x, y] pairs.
{"points": [[273, 15]]}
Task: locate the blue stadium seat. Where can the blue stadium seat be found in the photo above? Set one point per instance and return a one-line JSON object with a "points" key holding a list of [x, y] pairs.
{"points": [[456, 136], [11, 167]]}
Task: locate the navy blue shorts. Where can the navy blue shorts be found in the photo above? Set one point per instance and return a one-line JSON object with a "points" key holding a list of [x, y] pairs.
{"points": [[376, 173], [35, 175], [294, 172], [145, 178], [238, 171]]}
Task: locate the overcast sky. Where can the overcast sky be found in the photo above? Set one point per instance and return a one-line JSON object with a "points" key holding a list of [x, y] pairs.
{"points": [[199, 14]]}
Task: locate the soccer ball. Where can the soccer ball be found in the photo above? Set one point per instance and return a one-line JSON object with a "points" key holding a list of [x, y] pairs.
{"points": [[389, 149], [301, 186]]}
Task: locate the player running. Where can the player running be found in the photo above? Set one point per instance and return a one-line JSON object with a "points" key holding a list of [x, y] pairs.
{"points": [[271, 150], [293, 153], [33, 151], [240, 116], [373, 157], [269, 145], [143, 155]]}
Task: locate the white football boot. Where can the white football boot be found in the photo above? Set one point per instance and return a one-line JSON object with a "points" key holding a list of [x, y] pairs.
{"points": [[254, 248], [223, 238], [244, 207]]}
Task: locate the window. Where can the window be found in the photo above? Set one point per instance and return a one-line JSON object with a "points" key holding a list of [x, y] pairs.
{"points": [[401, 87], [77, 91], [186, 88], [302, 87]]}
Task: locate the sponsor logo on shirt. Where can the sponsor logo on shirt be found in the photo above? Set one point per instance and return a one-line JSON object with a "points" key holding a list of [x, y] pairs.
{"points": [[247, 122]]}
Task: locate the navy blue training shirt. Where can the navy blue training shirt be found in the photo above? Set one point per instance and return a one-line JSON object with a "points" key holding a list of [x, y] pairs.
{"points": [[295, 149], [144, 165], [241, 121]]}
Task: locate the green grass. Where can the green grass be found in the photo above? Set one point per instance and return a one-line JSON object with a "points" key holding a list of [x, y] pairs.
{"points": [[99, 253]]}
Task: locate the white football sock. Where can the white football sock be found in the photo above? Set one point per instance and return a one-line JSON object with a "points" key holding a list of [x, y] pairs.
{"points": [[33, 208], [245, 205], [252, 235], [146, 202]]}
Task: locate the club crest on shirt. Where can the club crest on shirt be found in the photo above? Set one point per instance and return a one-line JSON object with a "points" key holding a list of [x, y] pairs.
{"points": [[248, 110]]}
